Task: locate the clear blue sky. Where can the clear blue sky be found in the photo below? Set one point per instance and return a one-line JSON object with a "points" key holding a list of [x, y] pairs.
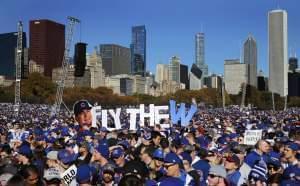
{"points": [[171, 24]]}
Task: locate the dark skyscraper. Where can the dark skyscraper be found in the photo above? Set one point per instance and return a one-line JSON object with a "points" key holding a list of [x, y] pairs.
{"points": [[184, 76], [250, 58], [80, 59], [47, 44], [115, 59], [261, 82], [293, 64], [294, 84], [138, 50], [8, 45]]}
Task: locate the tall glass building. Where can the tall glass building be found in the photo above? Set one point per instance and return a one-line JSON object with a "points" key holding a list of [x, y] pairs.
{"points": [[174, 69], [250, 58], [8, 45], [200, 54], [138, 50]]}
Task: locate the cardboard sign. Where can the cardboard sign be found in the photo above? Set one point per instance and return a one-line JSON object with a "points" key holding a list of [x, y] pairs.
{"points": [[69, 176], [181, 114], [153, 114], [95, 112], [18, 135], [252, 136]]}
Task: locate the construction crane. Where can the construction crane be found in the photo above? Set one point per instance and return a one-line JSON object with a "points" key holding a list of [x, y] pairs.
{"points": [[19, 52], [65, 65]]}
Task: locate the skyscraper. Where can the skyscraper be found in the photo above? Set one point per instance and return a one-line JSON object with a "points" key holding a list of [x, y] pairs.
{"points": [[47, 44], [200, 53], [278, 52], [174, 69], [162, 73], [195, 78], [235, 74], [261, 83], [8, 45], [293, 63], [294, 84], [250, 58], [184, 75], [138, 50], [115, 59]]}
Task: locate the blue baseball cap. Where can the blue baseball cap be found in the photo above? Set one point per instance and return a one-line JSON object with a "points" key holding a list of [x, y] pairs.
{"points": [[103, 150], [172, 158], [80, 106], [147, 136], [186, 156], [222, 140], [117, 152], [124, 143], [104, 129], [293, 146], [25, 150], [66, 156], [158, 154], [84, 174]]}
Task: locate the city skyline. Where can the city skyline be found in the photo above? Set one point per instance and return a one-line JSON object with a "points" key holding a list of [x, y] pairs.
{"points": [[224, 23]]}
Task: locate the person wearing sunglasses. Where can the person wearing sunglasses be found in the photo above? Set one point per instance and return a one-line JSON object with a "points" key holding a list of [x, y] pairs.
{"points": [[118, 157], [217, 176], [174, 175], [158, 162]]}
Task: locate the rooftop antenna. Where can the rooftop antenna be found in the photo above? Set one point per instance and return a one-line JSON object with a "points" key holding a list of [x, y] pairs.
{"points": [[293, 52], [278, 6], [295, 55], [80, 31]]}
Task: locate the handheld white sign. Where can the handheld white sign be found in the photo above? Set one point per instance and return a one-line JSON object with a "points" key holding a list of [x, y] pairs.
{"points": [[252, 136], [69, 176]]}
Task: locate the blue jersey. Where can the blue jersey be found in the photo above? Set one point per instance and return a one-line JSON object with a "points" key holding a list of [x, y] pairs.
{"points": [[233, 178]]}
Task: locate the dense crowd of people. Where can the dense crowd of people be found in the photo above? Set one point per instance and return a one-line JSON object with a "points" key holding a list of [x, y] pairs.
{"points": [[37, 149]]}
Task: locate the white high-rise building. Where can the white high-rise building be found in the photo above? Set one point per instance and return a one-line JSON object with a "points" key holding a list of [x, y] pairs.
{"points": [[278, 52], [200, 54], [162, 73], [235, 74], [250, 58]]}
